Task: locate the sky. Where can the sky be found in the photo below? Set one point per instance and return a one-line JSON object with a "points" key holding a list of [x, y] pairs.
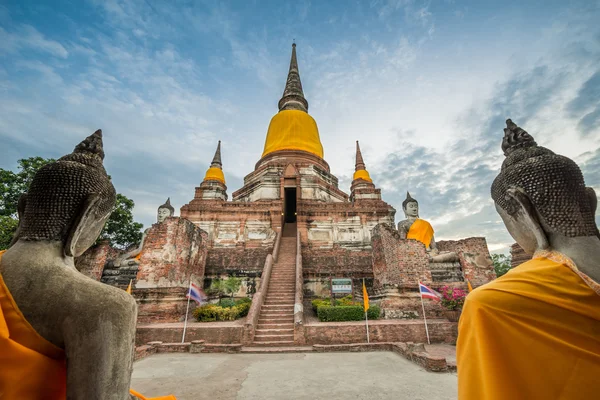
{"points": [[425, 86]]}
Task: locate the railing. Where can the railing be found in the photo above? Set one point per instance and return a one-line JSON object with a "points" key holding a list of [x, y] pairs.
{"points": [[299, 337], [259, 297]]}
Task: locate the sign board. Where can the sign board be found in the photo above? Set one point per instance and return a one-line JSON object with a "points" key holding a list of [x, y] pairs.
{"points": [[341, 285]]}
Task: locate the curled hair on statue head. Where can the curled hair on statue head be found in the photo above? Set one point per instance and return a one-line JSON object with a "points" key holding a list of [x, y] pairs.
{"points": [[553, 183]]}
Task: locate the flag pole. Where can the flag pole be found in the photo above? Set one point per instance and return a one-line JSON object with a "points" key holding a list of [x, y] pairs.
{"points": [[187, 310], [366, 316], [424, 317]]}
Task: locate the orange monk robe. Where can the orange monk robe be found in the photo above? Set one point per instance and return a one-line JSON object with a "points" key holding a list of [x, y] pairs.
{"points": [[533, 333], [422, 231], [31, 367]]}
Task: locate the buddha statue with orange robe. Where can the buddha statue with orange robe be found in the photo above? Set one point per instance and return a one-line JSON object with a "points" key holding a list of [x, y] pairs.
{"points": [[534, 333], [62, 334], [416, 228]]}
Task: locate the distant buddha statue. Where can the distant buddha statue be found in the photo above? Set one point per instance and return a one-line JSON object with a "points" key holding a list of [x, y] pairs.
{"points": [[416, 228], [133, 257], [62, 334], [534, 333]]}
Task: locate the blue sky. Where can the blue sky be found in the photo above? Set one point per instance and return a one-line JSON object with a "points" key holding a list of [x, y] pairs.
{"points": [[424, 86]]}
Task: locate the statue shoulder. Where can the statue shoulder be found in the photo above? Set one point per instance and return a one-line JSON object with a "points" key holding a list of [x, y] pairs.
{"points": [[404, 225]]}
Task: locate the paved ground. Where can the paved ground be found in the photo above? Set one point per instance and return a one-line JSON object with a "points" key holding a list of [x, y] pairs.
{"points": [[331, 376]]}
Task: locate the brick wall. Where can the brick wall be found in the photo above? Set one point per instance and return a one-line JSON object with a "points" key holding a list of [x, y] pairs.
{"points": [[440, 331], [174, 251], [236, 260], [161, 304], [213, 333], [518, 255], [475, 258], [92, 262], [336, 261], [397, 262]]}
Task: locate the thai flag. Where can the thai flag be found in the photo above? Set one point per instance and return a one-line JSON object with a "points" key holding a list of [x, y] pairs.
{"points": [[428, 293], [196, 294]]}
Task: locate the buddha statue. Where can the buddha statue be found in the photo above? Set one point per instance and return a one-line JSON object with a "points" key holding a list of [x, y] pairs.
{"points": [[132, 257], [542, 318], [415, 228], [62, 334]]}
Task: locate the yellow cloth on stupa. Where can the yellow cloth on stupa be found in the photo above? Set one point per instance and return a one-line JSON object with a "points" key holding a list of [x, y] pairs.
{"points": [[31, 367], [293, 130], [215, 174], [422, 231], [533, 333], [362, 174]]}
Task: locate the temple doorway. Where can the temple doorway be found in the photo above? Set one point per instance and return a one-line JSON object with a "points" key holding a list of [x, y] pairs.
{"points": [[290, 204]]}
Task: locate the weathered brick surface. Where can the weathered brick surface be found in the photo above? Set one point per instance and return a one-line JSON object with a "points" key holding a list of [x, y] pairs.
{"points": [[475, 258], [336, 261], [144, 351], [174, 252], [161, 304], [245, 261], [440, 331], [211, 333], [518, 255], [92, 262], [398, 262]]}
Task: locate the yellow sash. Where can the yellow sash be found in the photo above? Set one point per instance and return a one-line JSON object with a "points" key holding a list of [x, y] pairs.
{"points": [[422, 231]]}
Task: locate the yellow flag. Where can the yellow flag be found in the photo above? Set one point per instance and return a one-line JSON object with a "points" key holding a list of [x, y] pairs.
{"points": [[128, 290], [365, 297], [470, 287]]}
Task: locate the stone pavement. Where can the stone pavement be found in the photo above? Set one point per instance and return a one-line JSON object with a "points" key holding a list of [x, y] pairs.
{"points": [[331, 376]]}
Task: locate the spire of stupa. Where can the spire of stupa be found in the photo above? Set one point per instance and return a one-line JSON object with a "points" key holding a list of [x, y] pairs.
{"points": [[215, 172], [293, 96], [360, 171], [360, 164], [216, 162]]}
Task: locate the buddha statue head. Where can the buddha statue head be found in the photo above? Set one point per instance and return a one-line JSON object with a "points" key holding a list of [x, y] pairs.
{"points": [[410, 207], [541, 196], [68, 200], [164, 211]]}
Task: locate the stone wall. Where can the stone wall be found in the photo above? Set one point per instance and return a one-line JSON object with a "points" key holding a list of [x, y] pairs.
{"points": [[337, 261], [475, 258], [161, 304], [237, 260], [398, 262], [92, 262], [518, 255], [440, 331], [210, 332], [174, 252]]}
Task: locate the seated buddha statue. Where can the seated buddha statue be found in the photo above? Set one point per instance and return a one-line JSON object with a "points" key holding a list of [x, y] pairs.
{"points": [[62, 334], [534, 333], [415, 228], [133, 257]]}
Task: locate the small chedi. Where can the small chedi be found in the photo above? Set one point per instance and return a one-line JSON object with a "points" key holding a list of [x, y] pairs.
{"points": [[548, 307], [61, 314]]}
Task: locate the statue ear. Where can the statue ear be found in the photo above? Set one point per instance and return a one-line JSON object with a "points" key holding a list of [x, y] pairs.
{"points": [[20, 212], [524, 210], [84, 217], [591, 195]]}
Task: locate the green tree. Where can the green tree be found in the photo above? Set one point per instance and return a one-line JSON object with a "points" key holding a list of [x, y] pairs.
{"points": [[233, 285], [501, 264], [14, 184], [8, 226], [121, 230]]}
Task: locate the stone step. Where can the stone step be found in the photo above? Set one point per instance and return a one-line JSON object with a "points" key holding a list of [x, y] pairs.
{"points": [[275, 321], [268, 307], [286, 325], [283, 302], [274, 332], [276, 350], [272, 314], [286, 343], [273, 338]]}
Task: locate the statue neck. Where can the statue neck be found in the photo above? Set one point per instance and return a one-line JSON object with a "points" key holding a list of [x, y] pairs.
{"points": [[583, 250], [33, 252]]}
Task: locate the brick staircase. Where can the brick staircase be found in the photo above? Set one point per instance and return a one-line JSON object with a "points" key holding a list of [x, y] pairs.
{"points": [[276, 319]]}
